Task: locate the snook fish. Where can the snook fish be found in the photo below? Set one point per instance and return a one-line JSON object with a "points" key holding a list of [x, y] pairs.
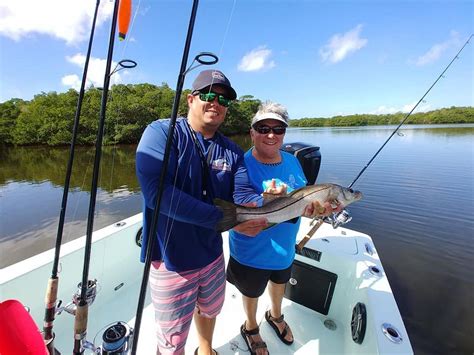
{"points": [[284, 208]]}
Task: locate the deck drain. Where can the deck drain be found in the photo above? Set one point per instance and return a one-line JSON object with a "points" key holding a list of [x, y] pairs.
{"points": [[391, 333], [330, 324], [374, 270]]}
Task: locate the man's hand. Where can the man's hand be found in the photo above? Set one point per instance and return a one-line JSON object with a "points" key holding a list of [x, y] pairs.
{"points": [[251, 227], [314, 209]]}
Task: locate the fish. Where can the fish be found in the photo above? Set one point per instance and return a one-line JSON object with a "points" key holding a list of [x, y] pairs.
{"points": [[283, 208]]}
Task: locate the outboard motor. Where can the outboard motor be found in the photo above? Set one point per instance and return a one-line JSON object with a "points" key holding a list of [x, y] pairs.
{"points": [[309, 157]]}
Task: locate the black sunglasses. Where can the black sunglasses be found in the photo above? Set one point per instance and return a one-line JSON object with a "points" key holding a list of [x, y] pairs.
{"points": [[278, 130]]}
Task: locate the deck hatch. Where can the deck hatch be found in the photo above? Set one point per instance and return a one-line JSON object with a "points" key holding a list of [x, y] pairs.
{"points": [[314, 287]]}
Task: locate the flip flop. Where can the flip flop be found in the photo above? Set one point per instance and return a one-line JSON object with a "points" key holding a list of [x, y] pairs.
{"points": [[252, 345], [271, 320]]}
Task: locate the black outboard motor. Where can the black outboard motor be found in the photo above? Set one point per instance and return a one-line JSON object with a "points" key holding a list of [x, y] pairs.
{"points": [[309, 157]]}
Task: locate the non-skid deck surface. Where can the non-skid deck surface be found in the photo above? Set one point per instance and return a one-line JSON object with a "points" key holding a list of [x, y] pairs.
{"points": [[311, 336]]}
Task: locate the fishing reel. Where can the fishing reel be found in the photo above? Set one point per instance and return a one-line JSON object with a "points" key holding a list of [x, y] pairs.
{"points": [[90, 298], [338, 218], [117, 339]]}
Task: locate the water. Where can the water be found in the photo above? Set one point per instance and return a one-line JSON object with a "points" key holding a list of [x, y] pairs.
{"points": [[417, 206]]}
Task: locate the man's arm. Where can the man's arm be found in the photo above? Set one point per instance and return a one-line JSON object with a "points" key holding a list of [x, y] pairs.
{"points": [[175, 203]]}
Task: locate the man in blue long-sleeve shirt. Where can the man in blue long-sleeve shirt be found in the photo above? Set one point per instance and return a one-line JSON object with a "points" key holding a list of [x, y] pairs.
{"points": [[187, 277]]}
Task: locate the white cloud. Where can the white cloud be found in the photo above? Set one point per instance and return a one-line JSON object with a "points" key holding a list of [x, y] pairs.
{"points": [[69, 20], [72, 81], [435, 52], [95, 73], [341, 45], [423, 107], [257, 59]]}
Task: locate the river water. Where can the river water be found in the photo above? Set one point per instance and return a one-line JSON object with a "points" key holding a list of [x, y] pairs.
{"points": [[417, 207]]}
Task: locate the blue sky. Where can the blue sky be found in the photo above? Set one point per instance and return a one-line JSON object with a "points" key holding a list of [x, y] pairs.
{"points": [[318, 58]]}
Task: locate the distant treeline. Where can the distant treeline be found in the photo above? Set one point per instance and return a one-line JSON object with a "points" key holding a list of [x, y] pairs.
{"points": [[441, 116], [48, 118]]}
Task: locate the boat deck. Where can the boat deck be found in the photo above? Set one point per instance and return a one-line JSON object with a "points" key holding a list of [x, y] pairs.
{"points": [[349, 256], [311, 336]]}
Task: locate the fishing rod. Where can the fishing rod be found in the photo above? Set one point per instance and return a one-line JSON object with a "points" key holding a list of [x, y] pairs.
{"points": [[343, 217], [81, 314], [152, 233], [408, 115], [53, 282]]}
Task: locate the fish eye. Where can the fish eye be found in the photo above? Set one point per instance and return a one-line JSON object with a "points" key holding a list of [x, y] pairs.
{"points": [[351, 191]]}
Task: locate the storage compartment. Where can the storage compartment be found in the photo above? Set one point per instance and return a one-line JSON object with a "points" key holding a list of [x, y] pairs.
{"points": [[311, 287]]}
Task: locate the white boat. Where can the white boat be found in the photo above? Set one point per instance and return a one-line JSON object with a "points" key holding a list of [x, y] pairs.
{"points": [[338, 301]]}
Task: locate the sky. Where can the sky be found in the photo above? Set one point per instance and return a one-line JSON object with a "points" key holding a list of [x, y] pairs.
{"points": [[318, 58]]}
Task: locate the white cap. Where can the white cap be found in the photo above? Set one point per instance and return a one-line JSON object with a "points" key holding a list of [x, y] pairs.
{"points": [[260, 116]]}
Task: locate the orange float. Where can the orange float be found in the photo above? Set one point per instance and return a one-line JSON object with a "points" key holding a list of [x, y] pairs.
{"points": [[124, 14]]}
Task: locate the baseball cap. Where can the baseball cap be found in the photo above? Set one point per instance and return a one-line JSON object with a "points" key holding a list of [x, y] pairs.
{"points": [[210, 77]]}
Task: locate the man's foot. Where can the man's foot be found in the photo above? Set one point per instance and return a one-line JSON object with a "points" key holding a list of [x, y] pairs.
{"points": [[280, 327], [254, 341]]}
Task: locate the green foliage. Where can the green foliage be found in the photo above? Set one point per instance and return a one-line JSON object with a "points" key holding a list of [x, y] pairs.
{"points": [[9, 112], [239, 115], [441, 116], [48, 118]]}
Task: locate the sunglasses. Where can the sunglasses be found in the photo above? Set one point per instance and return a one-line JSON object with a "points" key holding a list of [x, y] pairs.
{"points": [[210, 96], [278, 130]]}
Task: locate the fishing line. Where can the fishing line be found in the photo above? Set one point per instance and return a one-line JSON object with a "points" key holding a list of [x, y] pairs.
{"points": [[130, 30], [408, 115], [80, 322], [152, 233], [123, 64], [229, 21], [170, 221], [53, 283]]}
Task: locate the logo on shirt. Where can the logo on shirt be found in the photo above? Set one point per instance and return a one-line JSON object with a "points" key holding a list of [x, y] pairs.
{"points": [[292, 181], [220, 164]]}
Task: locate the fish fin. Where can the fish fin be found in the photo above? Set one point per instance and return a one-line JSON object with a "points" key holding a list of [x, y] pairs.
{"points": [[229, 210]]}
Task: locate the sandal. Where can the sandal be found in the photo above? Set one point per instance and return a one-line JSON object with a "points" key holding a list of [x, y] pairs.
{"points": [[271, 320], [251, 344], [197, 351]]}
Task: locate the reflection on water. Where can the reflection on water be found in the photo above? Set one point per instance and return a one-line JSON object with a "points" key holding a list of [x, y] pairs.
{"points": [[39, 164], [417, 206], [31, 188]]}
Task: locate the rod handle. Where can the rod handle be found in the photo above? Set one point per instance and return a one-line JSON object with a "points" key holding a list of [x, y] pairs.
{"points": [[50, 310], [308, 235], [80, 327]]}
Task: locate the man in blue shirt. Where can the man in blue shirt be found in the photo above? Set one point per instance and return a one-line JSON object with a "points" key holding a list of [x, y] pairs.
{"points": [[187, 276]]}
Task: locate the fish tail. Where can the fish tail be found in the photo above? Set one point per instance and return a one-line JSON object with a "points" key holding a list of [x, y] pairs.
{"points": [[229, 211]]}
